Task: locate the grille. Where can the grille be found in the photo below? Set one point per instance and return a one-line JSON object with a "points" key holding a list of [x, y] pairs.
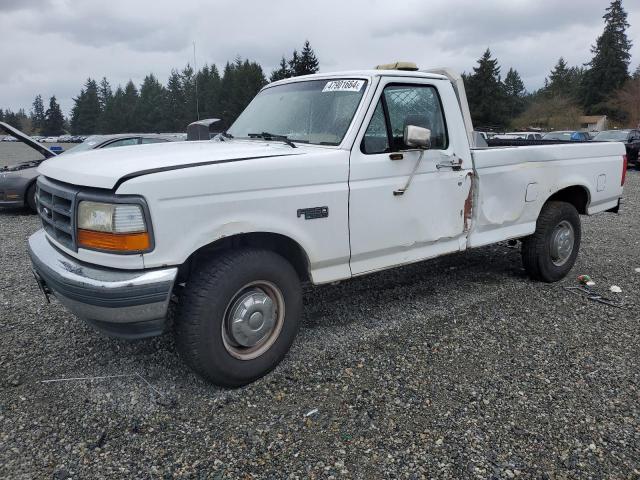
{"points": [[56, 209]]}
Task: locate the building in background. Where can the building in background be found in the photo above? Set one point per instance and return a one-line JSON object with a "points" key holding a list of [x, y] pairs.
{"points": [[593, 123]]}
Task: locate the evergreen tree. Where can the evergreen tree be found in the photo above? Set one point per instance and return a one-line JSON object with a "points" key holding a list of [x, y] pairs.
{"points": [[12, 119], [485, 93], [294, 64], [241, 81], [210, 94], [151, 107], [38, 114], [1, 115], [86, 109], [609, 68], [282, 72], [105, 94], [128, 109], [111, 120], [559, 83], [515, 93], [564, 81], [308, 63], [54, 120], [175, 102], [188, 86]]}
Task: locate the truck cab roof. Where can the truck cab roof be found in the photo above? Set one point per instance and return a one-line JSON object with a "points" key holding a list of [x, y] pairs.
{"points": [[371, 73]]}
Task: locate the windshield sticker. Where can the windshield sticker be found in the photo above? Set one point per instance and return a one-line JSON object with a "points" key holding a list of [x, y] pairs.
{"points": [[343, 86]]}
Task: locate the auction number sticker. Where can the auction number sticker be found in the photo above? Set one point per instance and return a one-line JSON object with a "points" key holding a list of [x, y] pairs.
{"points": [[343, 86]]}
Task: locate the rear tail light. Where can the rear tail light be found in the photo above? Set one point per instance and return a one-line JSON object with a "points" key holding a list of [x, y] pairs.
{"points": [[624, 170]]}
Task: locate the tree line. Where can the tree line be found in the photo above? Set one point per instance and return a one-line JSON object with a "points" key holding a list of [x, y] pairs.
{"points": [[154, 107], [603, 86]]}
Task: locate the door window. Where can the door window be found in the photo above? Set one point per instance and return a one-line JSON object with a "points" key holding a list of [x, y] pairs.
{"points": [[376, 139], [402, 105]]}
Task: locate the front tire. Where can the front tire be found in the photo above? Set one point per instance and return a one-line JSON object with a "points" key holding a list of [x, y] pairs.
{"points": [[238, 316], [550, 253], [30, 199]]}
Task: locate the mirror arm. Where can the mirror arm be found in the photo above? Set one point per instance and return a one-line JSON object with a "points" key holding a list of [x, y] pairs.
{"points": [[400, 191]]}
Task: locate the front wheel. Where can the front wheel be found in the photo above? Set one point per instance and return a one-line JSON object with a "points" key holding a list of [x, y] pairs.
{"points": [[30, 198], [550, 253], [238, 316]]}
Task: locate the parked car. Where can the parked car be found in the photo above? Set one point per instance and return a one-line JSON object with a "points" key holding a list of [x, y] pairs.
{"points": [[321, 178], [630, 138], [567, 136], [519, 136], [18, 182]]}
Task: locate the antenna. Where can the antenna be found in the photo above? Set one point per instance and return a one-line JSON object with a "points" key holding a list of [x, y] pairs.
{"points": [[195, 79]]}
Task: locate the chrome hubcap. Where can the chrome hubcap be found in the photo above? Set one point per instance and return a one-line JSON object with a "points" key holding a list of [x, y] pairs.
{"points": [[252, 317], [253, 320], [562, 241]]}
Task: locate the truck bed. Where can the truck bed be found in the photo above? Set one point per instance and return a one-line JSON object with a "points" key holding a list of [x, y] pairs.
{"points": [[512, 183]]}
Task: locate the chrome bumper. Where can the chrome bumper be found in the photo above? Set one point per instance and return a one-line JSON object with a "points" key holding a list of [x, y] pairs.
{"points": [[122, 303]]}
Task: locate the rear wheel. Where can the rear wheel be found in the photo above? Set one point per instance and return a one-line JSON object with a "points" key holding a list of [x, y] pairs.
{"points": [[238, 316], [550, 253], [30, 199]]}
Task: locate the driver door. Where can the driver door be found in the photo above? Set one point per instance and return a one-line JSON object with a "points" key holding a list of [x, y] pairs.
{"points": [[388, 229]]}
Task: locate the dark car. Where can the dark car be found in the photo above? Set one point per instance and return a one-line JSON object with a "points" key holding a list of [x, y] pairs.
{"points": [[567, 136], [17, 182], [630, 138]]}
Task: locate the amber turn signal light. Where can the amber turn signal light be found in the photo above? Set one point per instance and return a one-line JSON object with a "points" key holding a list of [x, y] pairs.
{"points": [[114, 242]]}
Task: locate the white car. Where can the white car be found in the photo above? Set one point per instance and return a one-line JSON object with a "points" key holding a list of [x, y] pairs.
{"points": [[322, 178], [519, 136], [50, 140]]}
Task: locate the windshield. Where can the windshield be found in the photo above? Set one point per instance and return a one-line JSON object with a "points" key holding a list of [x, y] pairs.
{"points": [[316, 111], [89, 144], [608, 135]]}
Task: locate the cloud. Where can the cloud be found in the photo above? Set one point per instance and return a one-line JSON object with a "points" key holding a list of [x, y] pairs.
{"points": [[51, 47]]}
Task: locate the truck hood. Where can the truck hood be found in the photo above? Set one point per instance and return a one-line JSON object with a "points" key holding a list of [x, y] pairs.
{"points": [[108, 168]]}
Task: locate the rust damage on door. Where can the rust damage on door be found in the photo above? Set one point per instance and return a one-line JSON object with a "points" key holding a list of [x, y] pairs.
{"points": [[468, 203]]}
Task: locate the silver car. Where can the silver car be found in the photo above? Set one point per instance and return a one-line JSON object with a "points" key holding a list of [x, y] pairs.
{"points": [[18, 182]]}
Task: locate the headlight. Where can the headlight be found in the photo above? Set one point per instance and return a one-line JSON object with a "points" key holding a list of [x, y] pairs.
{"points": [[115, 227]]}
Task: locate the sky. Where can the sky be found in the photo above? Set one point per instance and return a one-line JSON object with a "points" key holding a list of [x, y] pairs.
{"points": [[50, 47]]}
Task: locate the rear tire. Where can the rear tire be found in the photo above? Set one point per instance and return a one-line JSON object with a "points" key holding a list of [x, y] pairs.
{"points": [[238, 316], [550, 253], [30, 199]]}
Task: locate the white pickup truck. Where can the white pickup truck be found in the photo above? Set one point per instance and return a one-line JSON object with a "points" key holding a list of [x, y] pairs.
{"points": [[322, 178]]}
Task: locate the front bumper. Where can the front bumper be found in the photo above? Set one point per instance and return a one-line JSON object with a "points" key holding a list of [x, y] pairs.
{"points": [[121, 303]]}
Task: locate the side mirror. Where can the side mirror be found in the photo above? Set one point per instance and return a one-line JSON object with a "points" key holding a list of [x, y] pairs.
{"points": [[417, 137]]}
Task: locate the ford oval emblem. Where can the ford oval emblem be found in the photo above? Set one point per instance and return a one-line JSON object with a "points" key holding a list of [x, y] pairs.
{"points": [[46, 211]]}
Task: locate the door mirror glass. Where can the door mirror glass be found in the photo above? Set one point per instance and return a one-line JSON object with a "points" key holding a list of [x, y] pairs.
{"points": [[417, 137]]}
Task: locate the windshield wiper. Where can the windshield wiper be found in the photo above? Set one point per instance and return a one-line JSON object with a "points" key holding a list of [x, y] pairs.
{"points": [[272, 136], [225, 134]]}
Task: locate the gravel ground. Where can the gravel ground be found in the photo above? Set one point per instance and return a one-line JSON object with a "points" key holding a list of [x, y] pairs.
{"points": [[454, 368]]}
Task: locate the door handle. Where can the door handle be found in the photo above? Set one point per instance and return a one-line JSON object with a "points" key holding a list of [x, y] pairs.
{"points": [[453, 162]]}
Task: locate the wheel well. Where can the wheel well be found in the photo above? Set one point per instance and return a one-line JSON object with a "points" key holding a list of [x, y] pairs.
{"points": [[575, 195], [281, 244]]}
